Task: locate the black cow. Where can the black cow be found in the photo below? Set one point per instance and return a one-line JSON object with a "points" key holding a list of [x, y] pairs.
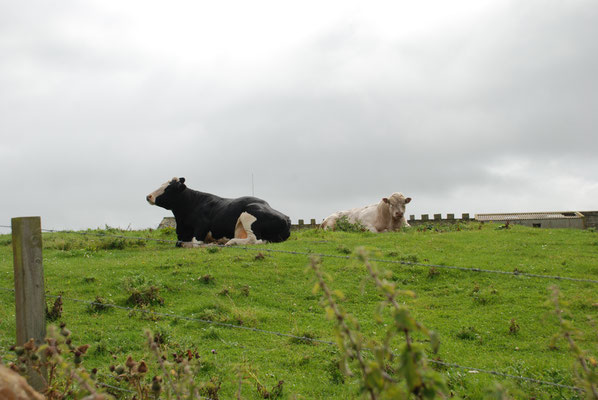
{"points": [[198, 215]]}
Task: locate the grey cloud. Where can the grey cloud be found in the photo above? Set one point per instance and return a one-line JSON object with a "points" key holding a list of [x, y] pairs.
{"points": [[335, 122]]}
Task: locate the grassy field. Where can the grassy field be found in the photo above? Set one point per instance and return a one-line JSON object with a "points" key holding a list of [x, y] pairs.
{"points": [[486, 321]]}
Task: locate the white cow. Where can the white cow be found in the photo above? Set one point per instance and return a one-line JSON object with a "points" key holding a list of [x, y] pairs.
{"points": [[387, 215]]}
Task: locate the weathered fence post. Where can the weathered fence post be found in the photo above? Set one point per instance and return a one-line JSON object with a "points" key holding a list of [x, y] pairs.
{"points": [[30, 300]]}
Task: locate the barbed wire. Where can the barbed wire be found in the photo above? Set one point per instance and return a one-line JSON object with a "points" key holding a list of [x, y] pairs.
{"points": [[322, 255], [192, 319], [307, 339], [344, 257], [504, 375]]}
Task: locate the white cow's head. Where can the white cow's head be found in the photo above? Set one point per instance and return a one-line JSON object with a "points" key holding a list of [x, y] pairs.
{"points": [[396, 205]]}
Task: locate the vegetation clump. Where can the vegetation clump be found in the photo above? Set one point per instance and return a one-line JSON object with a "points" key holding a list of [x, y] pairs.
{"points": [[56, 312], [206, 279], [513, 327], [98, 305], [344, 225], [145, 297]]}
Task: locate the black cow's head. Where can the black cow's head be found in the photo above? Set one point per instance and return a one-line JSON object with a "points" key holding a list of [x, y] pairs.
{"points": [[167, 194]]}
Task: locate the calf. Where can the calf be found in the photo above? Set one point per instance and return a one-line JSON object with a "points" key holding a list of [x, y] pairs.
{"points": [[387, 215], [204, 217]]}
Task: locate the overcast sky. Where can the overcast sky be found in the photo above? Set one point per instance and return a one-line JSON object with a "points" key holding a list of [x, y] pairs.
{"points": [[465, 106]]}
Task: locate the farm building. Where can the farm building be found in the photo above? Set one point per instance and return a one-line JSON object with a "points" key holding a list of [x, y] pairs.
{"points": [[566, 219]]}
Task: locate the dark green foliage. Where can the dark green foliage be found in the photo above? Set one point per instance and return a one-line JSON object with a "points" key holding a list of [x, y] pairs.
{"points": [[433, 272], [468, 333], [206, 279], [98, 305], [334, 371], [304, 338], [342, 224], [245, 290], [145, 297], [344, 249], [168, 231], [142, 293], [273, 393], [210, 389], [513, 327], [56, 312]]}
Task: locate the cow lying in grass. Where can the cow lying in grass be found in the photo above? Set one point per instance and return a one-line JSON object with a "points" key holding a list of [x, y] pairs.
{"points": [[387, 215], [204, 217]]}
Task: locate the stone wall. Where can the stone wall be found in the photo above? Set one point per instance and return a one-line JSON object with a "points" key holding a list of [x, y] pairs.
{"points": [[590, 220]]}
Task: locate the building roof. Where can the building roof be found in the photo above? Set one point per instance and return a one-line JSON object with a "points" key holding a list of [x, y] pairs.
{"points": [[527, 216]]}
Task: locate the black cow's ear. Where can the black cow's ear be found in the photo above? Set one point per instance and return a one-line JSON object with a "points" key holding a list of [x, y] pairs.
{"points": [[182, 180]]}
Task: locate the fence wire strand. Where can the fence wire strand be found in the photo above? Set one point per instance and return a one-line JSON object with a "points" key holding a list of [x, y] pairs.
{"points": [[343, 257], [307, 339], [322, 255]]}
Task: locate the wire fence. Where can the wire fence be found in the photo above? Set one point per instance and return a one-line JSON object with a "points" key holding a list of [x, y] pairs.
{"points": [[311, 253], [310, 339], [305, 339]]}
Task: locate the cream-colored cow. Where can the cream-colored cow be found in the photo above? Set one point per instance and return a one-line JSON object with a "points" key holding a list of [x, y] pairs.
{"points": [[387, 215]]}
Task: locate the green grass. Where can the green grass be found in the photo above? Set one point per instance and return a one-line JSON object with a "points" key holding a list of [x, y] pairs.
{"points": [[471, 311]]}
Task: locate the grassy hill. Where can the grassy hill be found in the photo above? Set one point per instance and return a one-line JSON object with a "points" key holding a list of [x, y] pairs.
{"points": [[485, 321]]}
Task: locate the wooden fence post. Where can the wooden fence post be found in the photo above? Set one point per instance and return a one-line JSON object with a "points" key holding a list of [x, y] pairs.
{"points": [[30, 302]]}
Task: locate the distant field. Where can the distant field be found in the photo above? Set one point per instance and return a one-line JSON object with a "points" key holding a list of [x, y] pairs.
{"points": [[473, 312]]}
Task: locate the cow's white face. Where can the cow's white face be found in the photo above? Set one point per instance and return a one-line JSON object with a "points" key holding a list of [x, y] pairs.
{"points": [[396, 205], [151, 198]]}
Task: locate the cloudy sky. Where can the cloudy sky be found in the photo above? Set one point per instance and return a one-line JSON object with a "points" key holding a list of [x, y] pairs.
{"points": [[465, 106]]}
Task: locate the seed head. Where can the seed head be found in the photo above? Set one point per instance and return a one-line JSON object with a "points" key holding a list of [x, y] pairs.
{"points": [[156, 387], [142, 368]]}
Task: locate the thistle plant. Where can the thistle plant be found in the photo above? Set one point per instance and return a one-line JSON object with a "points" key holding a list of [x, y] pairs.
{"points": [[59, 364], [586, 371], [384, 374]]}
